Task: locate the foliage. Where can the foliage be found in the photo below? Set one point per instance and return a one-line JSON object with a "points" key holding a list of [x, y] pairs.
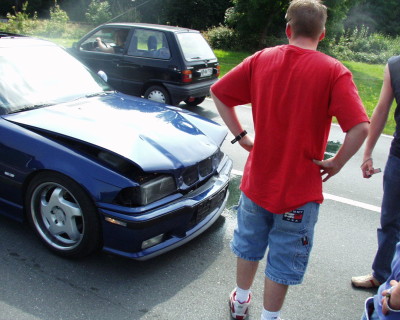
{"points": [[98, 12], [361, 45], [58, 25], [58, 21], [226, 38], [259, 23], [254, 20], [20, 22], [379, 15], [198, 14], [222, 38], [337, 13]]}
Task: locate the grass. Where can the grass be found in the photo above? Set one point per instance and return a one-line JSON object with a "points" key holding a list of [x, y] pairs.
{"points": [[367, 77]]}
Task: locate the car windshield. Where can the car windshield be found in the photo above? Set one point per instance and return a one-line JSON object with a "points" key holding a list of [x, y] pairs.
{"points": [[195, 47], [43, 75]]}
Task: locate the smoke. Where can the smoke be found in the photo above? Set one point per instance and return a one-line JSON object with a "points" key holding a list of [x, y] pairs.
{"points": [[360, 16]]}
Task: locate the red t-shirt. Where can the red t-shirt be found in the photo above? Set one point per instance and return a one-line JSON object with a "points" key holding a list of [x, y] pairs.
{"points": [[294, 93]]}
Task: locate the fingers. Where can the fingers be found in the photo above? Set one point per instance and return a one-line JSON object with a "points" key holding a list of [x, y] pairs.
{"points": [[318, 162], [394, 283], [367, 168], [327, 168]]}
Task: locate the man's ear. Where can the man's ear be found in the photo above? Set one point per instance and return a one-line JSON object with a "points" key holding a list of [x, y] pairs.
{"points": [[322, 36], [288, 31]]}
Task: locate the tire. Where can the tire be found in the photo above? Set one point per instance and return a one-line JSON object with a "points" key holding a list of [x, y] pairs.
{"points": [[194, 101], [62, 215], [157, 93]]}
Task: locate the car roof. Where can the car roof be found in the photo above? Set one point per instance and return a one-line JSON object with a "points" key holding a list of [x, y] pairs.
{"points": [[174, 29], [8, 40]]}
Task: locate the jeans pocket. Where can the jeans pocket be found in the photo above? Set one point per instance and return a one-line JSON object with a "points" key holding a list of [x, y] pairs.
{"points": [[301, 257]]}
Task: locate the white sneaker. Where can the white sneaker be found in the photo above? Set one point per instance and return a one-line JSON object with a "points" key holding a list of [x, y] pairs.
{"points": [[239, 311]]}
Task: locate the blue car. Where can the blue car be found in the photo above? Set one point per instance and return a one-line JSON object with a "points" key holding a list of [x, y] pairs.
{"points": [[92, 168]]}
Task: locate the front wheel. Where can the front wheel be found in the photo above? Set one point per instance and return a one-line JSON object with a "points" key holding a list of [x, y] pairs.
{"points": [[62, 215], [193, 102], [157, 93]]}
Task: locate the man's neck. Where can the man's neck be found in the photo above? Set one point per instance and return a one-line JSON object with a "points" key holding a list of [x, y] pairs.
{"points": [[305, 43]]}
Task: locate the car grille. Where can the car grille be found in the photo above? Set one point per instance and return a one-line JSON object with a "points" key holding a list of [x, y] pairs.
{"points": [[198, 172]]}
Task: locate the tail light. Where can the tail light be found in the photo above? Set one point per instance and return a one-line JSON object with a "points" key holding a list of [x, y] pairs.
{"points": [[187, 76]]}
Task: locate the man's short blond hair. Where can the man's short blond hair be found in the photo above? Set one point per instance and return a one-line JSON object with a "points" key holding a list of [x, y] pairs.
{"points": [[307, 18]]}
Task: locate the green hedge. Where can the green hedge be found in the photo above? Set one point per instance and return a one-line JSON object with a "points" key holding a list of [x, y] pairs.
{"points": [[355, 45]]}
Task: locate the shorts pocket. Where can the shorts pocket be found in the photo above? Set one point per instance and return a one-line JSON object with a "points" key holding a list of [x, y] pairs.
{"points": [[302, 255]]}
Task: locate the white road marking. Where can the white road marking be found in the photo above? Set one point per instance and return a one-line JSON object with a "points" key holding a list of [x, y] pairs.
{"points": [[328, 196], [352, 202]]}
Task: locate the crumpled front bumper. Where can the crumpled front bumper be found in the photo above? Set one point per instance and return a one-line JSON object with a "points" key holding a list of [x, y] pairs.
{"points": [[152, 233]]}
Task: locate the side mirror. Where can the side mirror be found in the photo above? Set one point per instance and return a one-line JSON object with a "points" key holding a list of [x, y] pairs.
{"points": [[102, 75]]}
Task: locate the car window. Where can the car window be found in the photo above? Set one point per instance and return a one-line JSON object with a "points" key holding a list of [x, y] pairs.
{"points": [[150, 44], [194, 46], [44, 75], [107, 40]]}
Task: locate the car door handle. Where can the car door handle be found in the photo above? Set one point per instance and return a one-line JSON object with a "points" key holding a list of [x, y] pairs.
{"points": [[122, 64]]}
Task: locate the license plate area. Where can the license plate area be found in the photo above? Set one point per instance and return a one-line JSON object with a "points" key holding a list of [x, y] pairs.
{"points": [[207, 72], [204, 208]]}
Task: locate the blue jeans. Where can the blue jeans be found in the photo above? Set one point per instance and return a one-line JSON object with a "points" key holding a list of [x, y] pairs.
{"points": [[370, 313], [288, 236], [389, 231], [374, 316]]}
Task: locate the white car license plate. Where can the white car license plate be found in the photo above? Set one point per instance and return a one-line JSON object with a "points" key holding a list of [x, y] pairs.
{"points": [[206, 72]]}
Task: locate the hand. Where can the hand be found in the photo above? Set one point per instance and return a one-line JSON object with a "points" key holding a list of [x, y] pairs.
{"points": [[247, 142], [367, 167], [394, 298], [328, 167]]}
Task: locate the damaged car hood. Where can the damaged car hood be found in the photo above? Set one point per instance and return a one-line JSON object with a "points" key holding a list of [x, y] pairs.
{"points": [[145, 132]]}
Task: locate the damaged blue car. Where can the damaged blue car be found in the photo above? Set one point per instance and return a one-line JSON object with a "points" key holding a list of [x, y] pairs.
{"points": [[90, 168]]}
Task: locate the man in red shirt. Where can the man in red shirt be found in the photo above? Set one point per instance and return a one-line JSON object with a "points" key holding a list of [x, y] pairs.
{"points": [[294, 91]]}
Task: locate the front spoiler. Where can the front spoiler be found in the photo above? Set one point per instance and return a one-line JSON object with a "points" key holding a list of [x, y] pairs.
{"points": [[187, 218]]}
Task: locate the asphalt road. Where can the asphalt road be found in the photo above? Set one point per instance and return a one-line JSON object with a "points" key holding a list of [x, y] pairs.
{"points": [[193, 282]]}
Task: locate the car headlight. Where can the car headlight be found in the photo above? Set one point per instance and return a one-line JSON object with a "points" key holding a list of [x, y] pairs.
{"points": [[147, 192]]}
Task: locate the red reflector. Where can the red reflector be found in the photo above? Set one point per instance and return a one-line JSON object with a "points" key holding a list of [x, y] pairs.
{"points": [[187, 76]]}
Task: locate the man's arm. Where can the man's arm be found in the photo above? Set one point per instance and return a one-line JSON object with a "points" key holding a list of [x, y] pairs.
{"points": [[353, 140], [231, 120], [378, 122]]}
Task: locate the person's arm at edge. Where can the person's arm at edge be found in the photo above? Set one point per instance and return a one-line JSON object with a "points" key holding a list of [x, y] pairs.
{"points": [[352, 142], [231, 120], [378, 122]]}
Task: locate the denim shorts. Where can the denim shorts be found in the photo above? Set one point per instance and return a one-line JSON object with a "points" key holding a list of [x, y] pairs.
{"points": [[288, 237]]}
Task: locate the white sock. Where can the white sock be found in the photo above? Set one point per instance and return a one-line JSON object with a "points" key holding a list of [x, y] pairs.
{"points": [[242, 295], [268, 315]]}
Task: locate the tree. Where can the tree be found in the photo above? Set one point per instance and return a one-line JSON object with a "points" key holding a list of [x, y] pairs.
{"points": [[257, 18], [262, 18], [378, 15], [98, 12], [196, 14], [42, 7], [337, 13]]}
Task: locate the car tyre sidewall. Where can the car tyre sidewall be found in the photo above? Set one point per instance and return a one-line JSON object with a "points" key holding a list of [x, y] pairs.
{"points": [[90, 230]]}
